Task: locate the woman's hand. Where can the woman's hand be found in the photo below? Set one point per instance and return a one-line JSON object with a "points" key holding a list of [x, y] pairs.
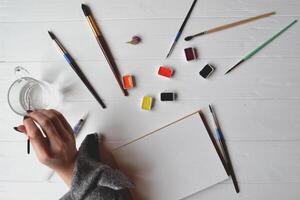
{"points": [[57, 148]]}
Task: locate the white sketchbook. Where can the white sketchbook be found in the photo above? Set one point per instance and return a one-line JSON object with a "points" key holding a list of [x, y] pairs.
{"points": [[172, 162]]}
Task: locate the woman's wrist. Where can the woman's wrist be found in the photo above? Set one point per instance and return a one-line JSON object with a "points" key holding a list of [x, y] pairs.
{"points": [[66, 172]]}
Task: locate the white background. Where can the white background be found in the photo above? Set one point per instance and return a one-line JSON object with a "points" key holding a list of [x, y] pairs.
{"points": [[257, 104]]}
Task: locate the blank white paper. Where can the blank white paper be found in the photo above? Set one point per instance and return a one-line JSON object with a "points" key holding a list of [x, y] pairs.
{"points": [[173, 162]]}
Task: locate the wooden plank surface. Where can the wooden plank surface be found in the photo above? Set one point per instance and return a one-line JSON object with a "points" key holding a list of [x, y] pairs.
{"points": [[258, 104], [253, 160], [56, 10], [157, 34]]}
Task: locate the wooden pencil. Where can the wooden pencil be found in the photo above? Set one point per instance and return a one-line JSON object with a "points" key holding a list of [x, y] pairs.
{"points": [[104, 47], [226, 26]]}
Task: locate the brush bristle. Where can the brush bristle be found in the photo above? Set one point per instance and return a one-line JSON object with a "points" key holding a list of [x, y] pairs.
{"points": [[237, 64], [188, 38], [86, 10], [210, 109], [52, 35]]}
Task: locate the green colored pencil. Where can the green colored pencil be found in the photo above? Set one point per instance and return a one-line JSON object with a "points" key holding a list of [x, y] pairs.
{"points": [[252, 53]]}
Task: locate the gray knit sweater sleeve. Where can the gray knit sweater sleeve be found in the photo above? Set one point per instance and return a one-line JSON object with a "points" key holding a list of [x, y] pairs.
{"points": [[93, 180]]}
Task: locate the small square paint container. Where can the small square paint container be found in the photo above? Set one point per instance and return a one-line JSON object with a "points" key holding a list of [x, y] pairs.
{"points": [[128, 82], [190, 54], [147, 103], [165, 71], [167, 96], [207, 71]]}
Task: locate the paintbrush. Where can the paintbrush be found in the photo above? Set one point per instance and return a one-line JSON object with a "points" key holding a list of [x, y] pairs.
{"points": [[226, 26], [28, 139], [181, 29], [76, 68], [223, 145], [103, 45], [252, 53]]}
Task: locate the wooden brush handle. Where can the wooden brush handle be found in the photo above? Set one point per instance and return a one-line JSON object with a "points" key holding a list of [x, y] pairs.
{"points": [[226, 26], [107, 53], [111, 62]]}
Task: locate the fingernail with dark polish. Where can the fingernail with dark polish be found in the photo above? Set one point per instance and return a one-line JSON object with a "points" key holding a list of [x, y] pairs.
{"points": [[16, 129], [25, 117], [29, 111]]}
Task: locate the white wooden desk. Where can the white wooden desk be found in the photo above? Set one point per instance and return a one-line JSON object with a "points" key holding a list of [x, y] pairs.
{"points": [[258, 104]]}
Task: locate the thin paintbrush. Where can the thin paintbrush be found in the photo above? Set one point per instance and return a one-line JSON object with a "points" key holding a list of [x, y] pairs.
{"points": [[28, 139], [222, 142], [76, 68], [252, 53], [226, 26], [103, 45], [181, 28]]}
